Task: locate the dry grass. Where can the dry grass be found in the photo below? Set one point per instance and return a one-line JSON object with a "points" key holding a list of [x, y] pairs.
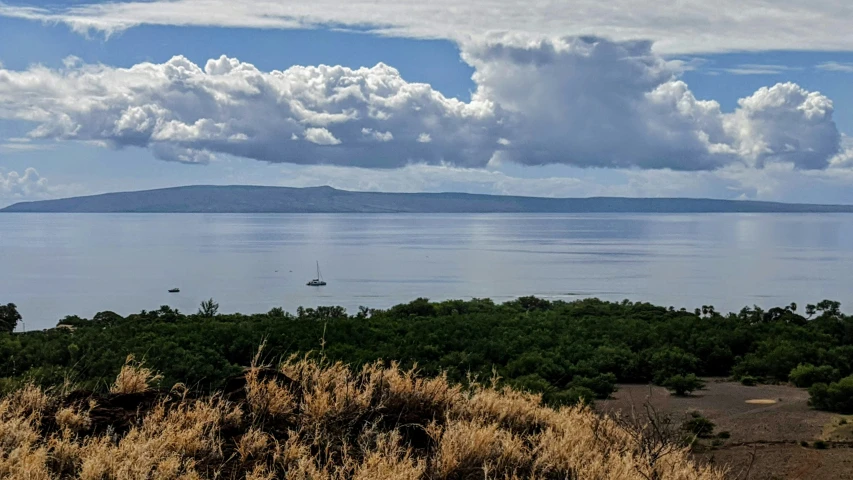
{"points": [[134, 378], [308, 420]]}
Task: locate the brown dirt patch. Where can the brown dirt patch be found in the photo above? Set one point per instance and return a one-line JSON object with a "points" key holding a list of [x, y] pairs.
{"points": [[787, 461], [770, 420]]}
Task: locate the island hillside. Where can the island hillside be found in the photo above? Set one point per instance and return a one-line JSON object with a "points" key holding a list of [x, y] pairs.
{"points": [[256, 199]]}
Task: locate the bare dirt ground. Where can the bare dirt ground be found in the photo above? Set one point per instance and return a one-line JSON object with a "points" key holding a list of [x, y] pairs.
{"points": [[767, 420]]}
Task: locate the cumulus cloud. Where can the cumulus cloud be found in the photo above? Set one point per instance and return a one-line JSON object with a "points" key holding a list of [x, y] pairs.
{"points": [[591, 102], [28, 185], [582, 101], [844, 159], [378, 136], [681, 27], [320, 136], [785, 123], [187, 113]]}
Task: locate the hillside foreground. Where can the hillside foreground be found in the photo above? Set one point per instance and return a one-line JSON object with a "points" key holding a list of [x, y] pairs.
{"points": [[320, 420]]}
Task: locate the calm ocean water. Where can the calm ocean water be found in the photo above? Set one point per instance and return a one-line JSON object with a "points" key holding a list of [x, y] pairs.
{"points": [[52, 265]]}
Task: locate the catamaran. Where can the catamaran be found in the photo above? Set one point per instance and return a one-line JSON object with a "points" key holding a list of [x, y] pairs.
{"points": [[318, 281]]}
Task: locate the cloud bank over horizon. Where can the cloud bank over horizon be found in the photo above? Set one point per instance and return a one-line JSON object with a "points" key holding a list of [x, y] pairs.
{"points": [[579, 101], [688, 26], [29, 185]]}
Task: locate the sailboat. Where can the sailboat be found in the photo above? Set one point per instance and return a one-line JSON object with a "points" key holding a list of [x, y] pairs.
{"points": [[318, 281]]}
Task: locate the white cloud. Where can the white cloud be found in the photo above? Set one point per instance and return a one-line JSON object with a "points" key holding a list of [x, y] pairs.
{"points": [[320, 136], [758, 69], [836, 67], [25, 147], [30, 184], [682, 27], [579, 101], [15, 187], [71, 61], [185, 113], [844, 159], [378, 136], [785, 123], [590, 102]]}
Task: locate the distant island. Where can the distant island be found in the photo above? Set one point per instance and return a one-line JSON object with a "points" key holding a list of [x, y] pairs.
{"points": [[257, 199]]}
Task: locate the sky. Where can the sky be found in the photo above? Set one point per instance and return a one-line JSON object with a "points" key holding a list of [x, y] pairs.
{"points": [[735, 100]]}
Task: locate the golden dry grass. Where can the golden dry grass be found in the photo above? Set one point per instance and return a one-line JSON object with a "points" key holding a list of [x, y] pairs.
{"points": [[309, 420], [134, 378]]}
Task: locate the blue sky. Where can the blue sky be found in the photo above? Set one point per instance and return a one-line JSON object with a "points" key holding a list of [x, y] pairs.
{"points": [[582, 123]]}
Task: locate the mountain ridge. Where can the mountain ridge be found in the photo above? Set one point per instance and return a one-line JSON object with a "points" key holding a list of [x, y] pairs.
{"points": [[325, 199]]}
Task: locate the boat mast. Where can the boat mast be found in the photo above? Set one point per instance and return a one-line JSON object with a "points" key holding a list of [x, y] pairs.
{"points": [[318, 270]]}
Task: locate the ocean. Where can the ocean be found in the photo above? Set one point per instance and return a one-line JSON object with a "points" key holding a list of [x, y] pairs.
{"points": [[52, 265]]}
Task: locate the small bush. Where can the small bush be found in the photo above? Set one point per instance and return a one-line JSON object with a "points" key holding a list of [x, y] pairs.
{"points": [[833, 397], [683, 385], [572, 396], [820, 445], [748, 381], [602, 385], [804, 443], [806, 375], [717, 442], [724, 435], [698, 425]]}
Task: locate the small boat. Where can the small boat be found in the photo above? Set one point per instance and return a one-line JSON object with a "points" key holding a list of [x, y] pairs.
{"points": [[174, 290], [318, 281]]}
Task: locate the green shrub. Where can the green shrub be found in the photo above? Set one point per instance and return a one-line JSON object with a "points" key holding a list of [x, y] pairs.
{"points": [[834, 397], [698, 425], [603, 385], [682, 385], [531, 383], [572, 396], [820, 445], [804, 443], [748, 381], [805, 375], [724, 434], [672, 361]]}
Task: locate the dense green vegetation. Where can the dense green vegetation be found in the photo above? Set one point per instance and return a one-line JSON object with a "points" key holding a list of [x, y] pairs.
{"points": [[565, 350], [835, 397]]}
